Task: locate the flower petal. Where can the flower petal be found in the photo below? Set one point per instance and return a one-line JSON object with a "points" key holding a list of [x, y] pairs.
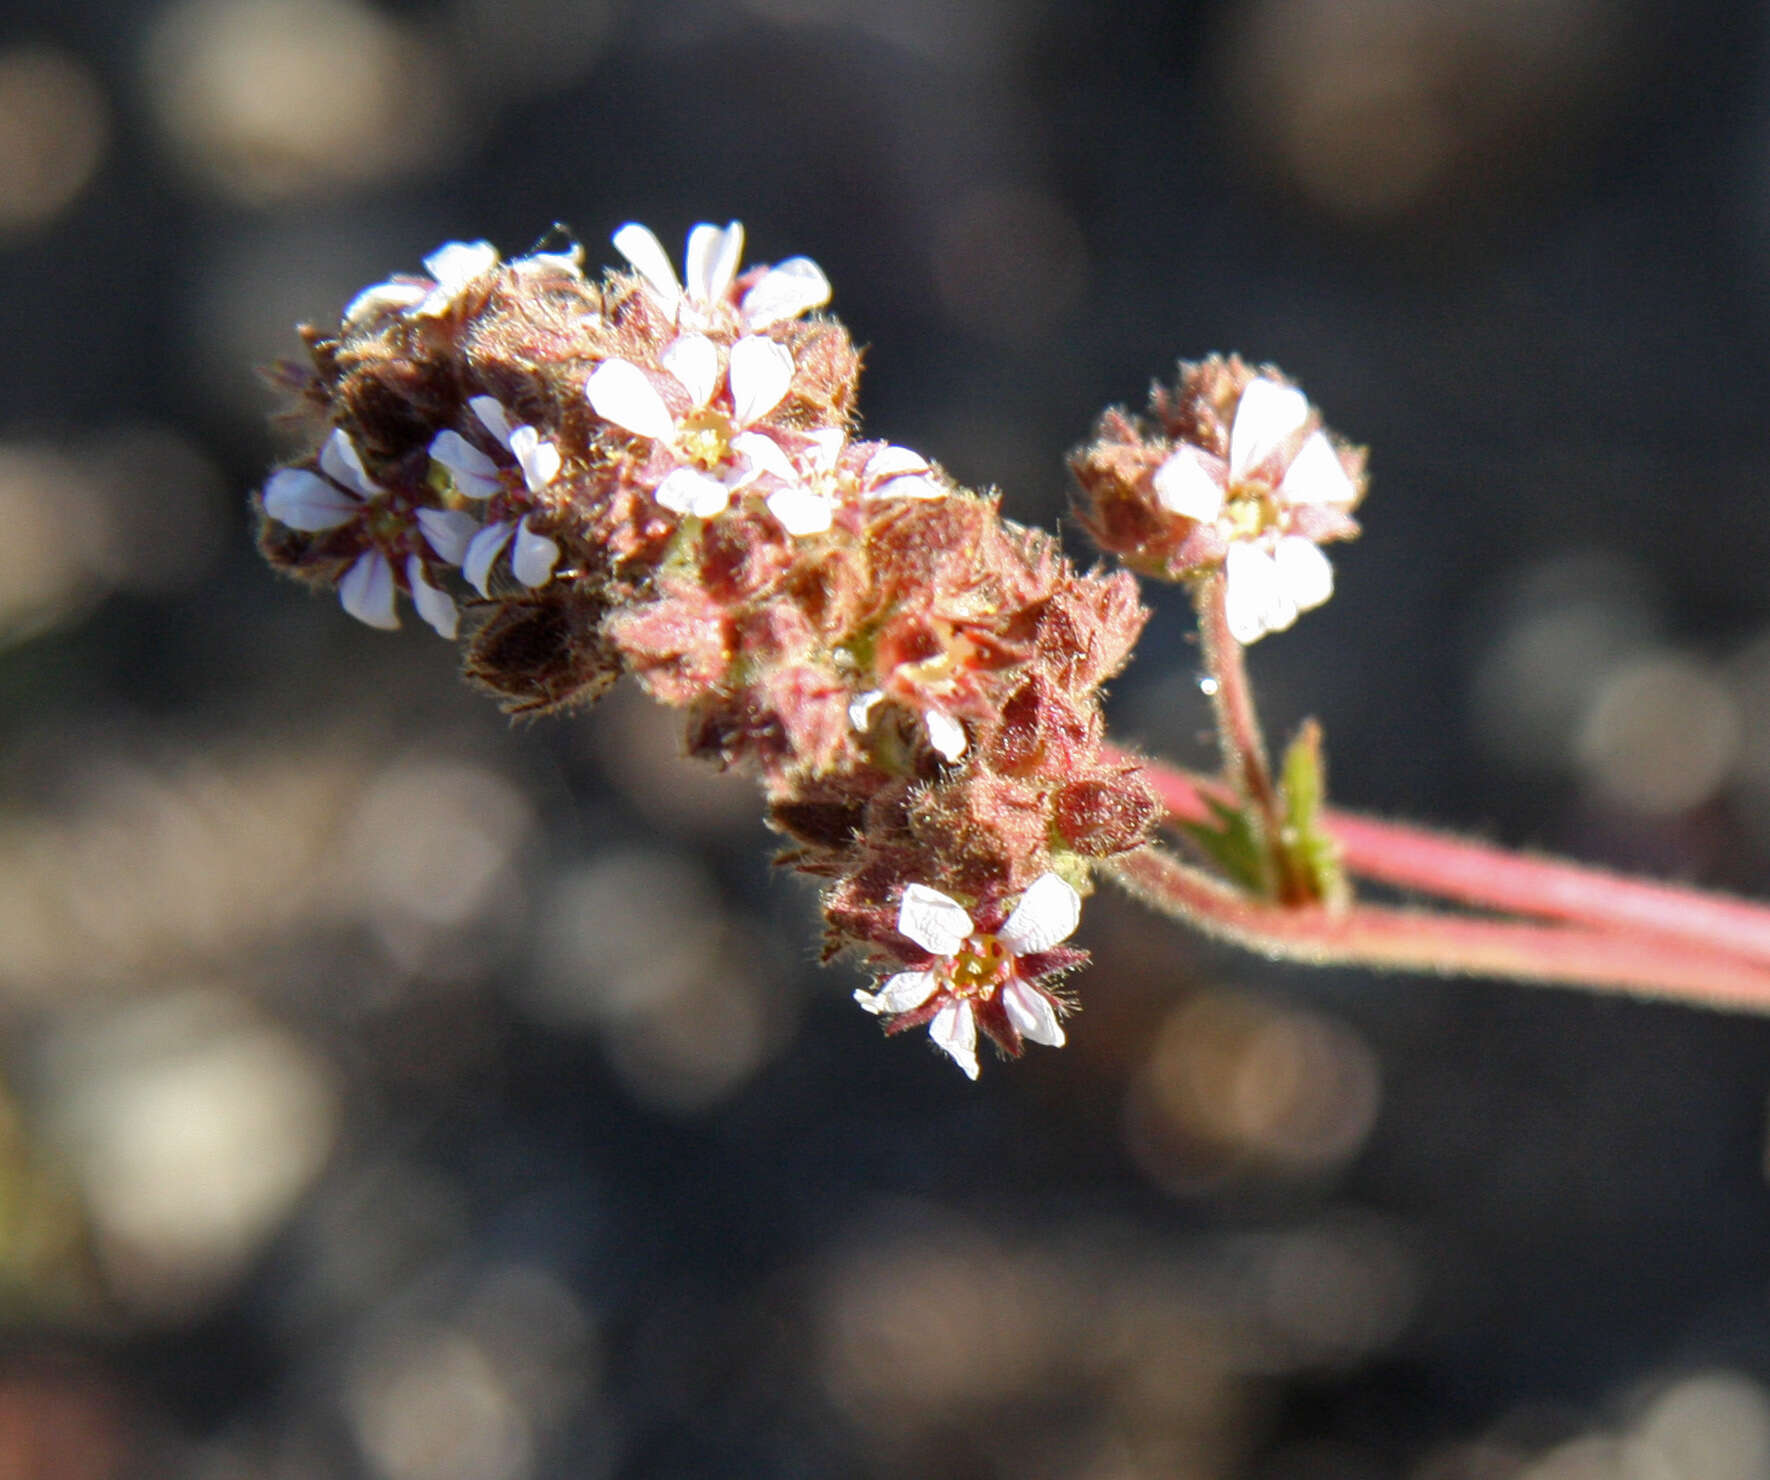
{"points": [[890, 461], [690, 491], [800, 511], [1266, 417], [533, 556], [955, 1029], [436, 607], [945, 734], [711, 261], [449, 532], [454, 265], [342, 463], [762, 454], [473, 473], [860, 708], [1032, 1014], [367, 591], [826, 447], [381, 300], [1190, 483], [482, 550], [621, 392], [1316, 476], [916, 486], [760, 373], [1306, 574], [537, 457], [304, 500], [492, 416], [932, 920], [791, 288], [1047, 913], [900, 993], [694, 361], [1255, 598], [648, 258]]}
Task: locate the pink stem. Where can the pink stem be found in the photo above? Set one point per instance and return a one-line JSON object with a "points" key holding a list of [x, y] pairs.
{"points": [[1459, 945], [1483, 876]]}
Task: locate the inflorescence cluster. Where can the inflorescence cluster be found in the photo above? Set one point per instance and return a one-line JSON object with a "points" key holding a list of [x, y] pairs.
{"points": [[660, 475]]}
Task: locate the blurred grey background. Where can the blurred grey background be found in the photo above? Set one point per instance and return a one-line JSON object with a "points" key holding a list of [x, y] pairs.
{"points": [[390, 1092]]}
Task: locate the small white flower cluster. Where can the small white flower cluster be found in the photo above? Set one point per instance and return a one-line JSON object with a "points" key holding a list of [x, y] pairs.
{"points": [[976, 971], [718, 444], [1277, 466]]}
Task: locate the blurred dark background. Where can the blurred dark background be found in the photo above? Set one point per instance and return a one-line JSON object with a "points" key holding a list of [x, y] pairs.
{"points": [[391, 1092]]}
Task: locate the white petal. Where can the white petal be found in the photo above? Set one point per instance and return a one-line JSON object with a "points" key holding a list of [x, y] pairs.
{"points": [[1188, 485], [955, 1029], [381, 300], [1267, 415], [890, 461], [436, 607], [552, 264], [932, 920], [1316, 476], [909, 486], [1306, 574], [537, 457], [1031, 1013], [826, 447], [901, 993], [1047, 913], [620, 392], [533, 556], [482, 550], [449, 531], [456, 263], [341, 462], [473, 473], [649, 259], [492, 416], [690, 491], [693, 360], [800, 511], [367, 591], [790, 289], [860, 709], [762, 454], [304, 500], [712, 260], [760, 373], [1255, 599], [945, 734]]}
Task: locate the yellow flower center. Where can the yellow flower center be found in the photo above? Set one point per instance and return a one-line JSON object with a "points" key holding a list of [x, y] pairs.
{"points": [[1250, 510], [981, 965], [705, 438]]}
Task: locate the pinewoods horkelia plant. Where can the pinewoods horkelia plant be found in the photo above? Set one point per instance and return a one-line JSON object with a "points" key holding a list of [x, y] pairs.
{"points": [[660, 475]]}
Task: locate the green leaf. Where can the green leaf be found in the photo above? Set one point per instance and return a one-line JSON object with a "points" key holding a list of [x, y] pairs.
{"points": [[1232, 841], [1311, 855]]}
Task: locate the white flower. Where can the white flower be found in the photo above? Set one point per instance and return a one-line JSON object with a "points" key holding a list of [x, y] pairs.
{"points": [[977, 972], [1273, 471], [452, 266], [945, 734], [897, 472], [710, 267], [716, 449], [807, 505], [476, 476]]}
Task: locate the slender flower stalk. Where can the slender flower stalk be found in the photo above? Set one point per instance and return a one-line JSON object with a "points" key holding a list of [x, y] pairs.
{"points": [[1482, 876], [1645, 965]]}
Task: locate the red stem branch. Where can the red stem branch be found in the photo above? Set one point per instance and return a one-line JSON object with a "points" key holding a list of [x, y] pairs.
{"points": [[1417, 940], [1486, 877]]}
